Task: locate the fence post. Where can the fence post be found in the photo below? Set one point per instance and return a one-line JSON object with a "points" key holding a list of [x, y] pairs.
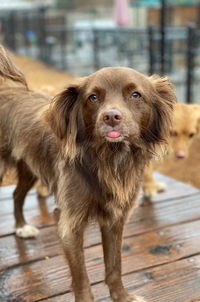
{"points": [[162, 31], [5, 30], [151, 58], [190, 62], [64, 44], [42, 33], [95, 50], [12, 24]]}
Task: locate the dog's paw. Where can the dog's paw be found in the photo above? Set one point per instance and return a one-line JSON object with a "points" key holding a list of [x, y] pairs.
{"points": [[161, 187], [42, 191], [154, 188], [27, 231], [137, 299]]}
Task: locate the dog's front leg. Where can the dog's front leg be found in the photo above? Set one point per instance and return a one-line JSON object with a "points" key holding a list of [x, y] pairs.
{"points": [[72, 241], [112, 241]]}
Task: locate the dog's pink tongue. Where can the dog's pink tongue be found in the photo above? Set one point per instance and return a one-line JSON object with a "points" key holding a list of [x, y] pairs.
{"points": [[113, 134]]}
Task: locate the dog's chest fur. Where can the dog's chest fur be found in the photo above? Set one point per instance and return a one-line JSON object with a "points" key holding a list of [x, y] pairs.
{"points": [[112, 183]]}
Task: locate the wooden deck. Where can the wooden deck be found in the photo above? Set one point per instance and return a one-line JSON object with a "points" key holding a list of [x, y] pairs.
{"points": [[161, 251]]}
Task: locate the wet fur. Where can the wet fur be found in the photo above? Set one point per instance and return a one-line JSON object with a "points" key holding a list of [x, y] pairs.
{"points": [[64, 144]]}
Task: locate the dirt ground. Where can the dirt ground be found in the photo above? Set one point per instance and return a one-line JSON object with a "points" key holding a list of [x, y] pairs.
{"points": [[42, 77]]}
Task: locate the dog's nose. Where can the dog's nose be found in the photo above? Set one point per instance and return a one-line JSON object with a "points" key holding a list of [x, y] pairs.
{"points": [[180, 154], [112, 117]]}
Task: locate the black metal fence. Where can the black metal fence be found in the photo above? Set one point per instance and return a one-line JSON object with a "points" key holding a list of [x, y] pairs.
{"points": [[83, 50]]}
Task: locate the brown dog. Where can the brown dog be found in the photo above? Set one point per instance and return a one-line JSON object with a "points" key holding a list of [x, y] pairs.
{"points": [[90, 146], [185, 127]]}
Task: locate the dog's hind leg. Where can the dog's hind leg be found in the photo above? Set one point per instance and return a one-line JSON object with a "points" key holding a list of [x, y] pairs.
{"points": [[4, 163], [25, 182], [150, 186], [2, 169]]}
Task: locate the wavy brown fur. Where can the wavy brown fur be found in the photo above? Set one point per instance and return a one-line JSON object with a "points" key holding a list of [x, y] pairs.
{"points": [[8, 70], [68, 144]]}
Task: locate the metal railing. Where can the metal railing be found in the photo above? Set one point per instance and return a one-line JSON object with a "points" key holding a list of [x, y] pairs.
{"points": [[81, 51]]}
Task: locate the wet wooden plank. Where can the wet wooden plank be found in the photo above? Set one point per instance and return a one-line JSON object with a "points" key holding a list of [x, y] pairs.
{"points": [[37, 213], [151, 217], [174, 282], [19, 251], [33, 218], [145, 219], [32, 202], [6, 192], [175, 189], [166, 231], [50, 277]]}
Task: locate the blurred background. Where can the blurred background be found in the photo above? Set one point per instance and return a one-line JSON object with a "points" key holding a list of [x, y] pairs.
{"points": [[81, 36], [54, 41]]}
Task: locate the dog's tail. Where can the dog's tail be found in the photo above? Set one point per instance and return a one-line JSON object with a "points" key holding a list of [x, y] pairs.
{"points": [[8, 70]]}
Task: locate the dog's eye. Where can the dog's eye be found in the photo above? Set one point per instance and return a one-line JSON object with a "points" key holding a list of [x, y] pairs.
{"points": [[191, 135], [136, 95], [173, 133], [93, 98]]}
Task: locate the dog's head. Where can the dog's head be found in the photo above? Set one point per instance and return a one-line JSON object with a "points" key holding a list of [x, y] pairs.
{"points": [[113, 105], [185, 127]]}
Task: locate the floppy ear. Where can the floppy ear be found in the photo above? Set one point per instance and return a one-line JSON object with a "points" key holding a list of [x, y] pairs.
{"points": [[163, 99], [196, 116], [198, 126], [65, 119]]}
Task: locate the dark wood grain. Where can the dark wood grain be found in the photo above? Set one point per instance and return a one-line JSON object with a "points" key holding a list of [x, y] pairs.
{"points": [[174, 188], [51, 277], [37, 213], [161, 251], [145, 219], [174, 282]]}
